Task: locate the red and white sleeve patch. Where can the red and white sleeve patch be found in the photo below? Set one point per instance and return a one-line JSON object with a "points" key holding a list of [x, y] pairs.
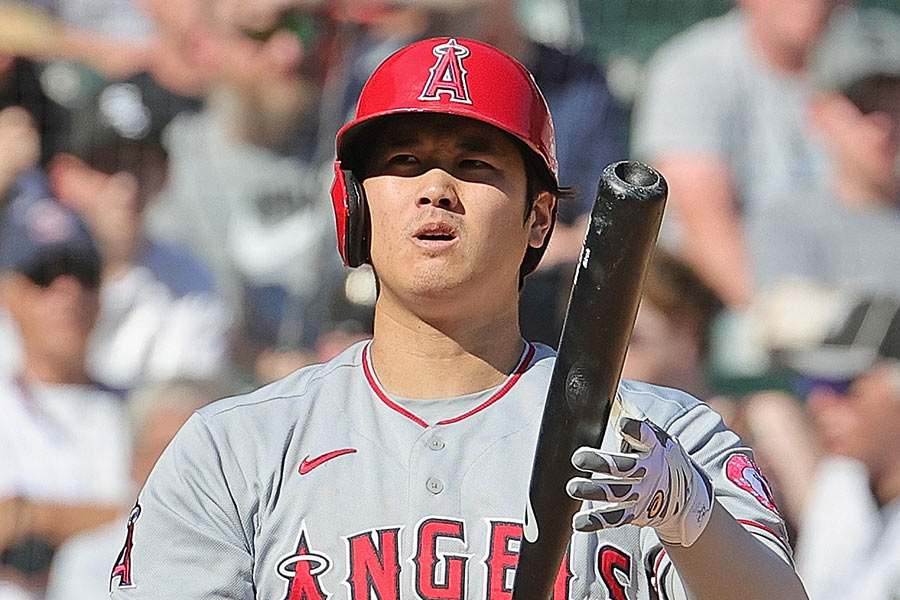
{"points": [[743, 472], [121, 576]]}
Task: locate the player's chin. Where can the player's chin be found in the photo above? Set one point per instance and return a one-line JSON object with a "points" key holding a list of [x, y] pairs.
{"points": [[436, 279]]}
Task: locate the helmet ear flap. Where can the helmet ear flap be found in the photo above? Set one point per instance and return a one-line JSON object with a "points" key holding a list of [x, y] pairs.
{"points": [[351, 213]]}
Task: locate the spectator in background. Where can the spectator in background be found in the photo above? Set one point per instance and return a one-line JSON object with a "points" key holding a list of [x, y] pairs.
{"points": [[161, 316], [63, 438], [671, 333], [156, 411], [30, 125], [849, 236], [248, 182], [21, 91], [849, 539], [723, 115], [20, 148]]}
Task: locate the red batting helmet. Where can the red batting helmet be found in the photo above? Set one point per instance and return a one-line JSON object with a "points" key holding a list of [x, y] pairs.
{"points": [[447, 76]]}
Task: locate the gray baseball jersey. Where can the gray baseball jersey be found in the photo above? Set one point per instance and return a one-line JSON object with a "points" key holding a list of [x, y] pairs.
{"points": [[323, 485]]}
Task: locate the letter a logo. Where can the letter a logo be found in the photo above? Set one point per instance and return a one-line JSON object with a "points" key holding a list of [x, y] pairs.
{"points": [[448, 76]]}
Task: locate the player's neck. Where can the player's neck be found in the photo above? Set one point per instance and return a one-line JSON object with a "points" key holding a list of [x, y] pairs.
{"points": [[443, 358]]}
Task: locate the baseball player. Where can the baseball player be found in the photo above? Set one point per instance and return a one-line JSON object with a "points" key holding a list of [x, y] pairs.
{"points": [[400, 469]]}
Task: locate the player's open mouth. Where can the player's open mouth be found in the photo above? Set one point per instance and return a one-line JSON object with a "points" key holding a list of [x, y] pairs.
{"points": [[435, 235]]}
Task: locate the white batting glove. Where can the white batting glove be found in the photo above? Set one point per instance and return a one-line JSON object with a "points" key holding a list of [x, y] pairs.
{"points": [[655, 485]]}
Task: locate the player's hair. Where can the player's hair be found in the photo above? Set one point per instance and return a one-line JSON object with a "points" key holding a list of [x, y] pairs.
{"points": [[539, 179]]}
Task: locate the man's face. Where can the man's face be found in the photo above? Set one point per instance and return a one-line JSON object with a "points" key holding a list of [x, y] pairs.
{"points": [[863, 422], [267, 53], [447, 198], [877, 128], [55, 313], [791, 25], [863, 135]]}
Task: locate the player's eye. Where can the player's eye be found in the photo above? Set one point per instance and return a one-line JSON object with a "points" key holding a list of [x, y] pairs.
{"points": [[475, 163], [403, 159]]}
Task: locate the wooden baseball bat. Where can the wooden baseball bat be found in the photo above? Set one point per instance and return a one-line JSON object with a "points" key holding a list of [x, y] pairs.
{"points": [[602, 308]]}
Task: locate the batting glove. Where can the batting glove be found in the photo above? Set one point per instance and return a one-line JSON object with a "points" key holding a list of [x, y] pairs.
{"points": [[656, 485]]}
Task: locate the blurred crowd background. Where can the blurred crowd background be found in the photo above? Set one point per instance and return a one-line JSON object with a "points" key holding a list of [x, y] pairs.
{"points": [[167, 238]]}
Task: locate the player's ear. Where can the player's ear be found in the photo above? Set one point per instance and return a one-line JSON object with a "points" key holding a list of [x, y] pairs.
{"points": [[541, 219]]}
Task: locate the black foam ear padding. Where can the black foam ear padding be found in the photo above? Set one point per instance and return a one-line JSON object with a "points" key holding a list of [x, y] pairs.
{"points": [[356, 242]]}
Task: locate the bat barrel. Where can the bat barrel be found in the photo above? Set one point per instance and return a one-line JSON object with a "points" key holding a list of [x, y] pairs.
{"points": [[605, 295], [602, 308]]}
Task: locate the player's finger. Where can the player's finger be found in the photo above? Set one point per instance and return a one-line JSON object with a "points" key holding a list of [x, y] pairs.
{"points": [[613, 515], [640, 435], [601, 490], [609, 463]]}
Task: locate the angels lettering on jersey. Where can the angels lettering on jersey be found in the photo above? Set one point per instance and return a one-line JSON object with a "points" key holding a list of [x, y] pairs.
{"points": [[440, 563]]}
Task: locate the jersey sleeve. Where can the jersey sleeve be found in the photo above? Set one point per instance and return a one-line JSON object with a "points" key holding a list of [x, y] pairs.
{"points": [[185, 536], [739, 487]]}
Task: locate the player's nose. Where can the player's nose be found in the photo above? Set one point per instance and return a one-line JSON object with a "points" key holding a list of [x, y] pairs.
{"points": [[438, 189]]}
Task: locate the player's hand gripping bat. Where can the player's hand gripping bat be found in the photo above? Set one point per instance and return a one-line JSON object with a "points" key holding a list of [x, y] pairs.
{"points": [[602, 308]]}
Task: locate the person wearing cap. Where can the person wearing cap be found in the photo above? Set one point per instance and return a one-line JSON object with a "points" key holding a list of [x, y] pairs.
{"points": [[847, 236], [849, 532], [400, 468], [63, 438]]}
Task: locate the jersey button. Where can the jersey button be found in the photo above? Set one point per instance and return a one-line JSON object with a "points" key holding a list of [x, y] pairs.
{"points": [[436, 443], [434, 485]]}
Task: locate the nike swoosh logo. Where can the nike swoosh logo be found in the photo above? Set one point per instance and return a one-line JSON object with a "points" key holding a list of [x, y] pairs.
{"points": [[530, 530], [307, 464]]}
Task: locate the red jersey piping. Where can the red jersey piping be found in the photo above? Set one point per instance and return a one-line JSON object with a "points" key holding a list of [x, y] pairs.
{"points": [[517, 374], [656, 565], [373, 383], [510, 382], [766, 529]]}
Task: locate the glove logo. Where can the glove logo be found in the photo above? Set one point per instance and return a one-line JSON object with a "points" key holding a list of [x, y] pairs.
{"points": [[656, 504], [448, 75], [744, 473]]}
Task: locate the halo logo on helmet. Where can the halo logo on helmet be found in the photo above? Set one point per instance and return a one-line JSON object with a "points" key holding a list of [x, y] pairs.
{"points": [[448, 75]]}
